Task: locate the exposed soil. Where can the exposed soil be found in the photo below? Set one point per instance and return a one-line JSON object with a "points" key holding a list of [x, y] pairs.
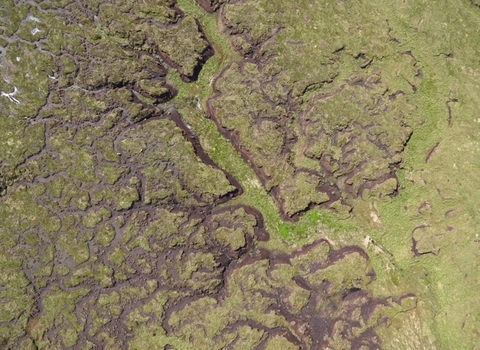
{"points": [[415, 242], [204, 56], [344, 172], [121, 233], [431, 151], [210, 5], [349, 135], [318, 320], [449, 108]]}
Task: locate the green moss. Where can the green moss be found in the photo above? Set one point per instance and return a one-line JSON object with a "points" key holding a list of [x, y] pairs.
{"points": [[126, 197], [108, 299], [183, 44], [70, 337], [153, 88], [55, 187], [117, 257], [104, 275], [69, 242], [83, 201], [62, 270], [176, 170], [105, 235], [300, 195], [343, 276], [235, 238], [294, 106], [58, 303]]}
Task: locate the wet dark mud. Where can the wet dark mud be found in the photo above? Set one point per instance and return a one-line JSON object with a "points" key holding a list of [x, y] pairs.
{"points": [[449, 109], [424, 241], [118, 227], [210, 5], [327, 141], [335, 178], [431, 151], [330, 311], [202, 56]]}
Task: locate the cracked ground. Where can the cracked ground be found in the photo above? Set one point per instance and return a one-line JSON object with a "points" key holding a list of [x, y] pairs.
{"points": [[238, 175]]}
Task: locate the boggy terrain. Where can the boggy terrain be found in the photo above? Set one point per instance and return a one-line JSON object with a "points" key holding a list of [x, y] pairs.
{"points": [[127, 223], [316, 129], [116, 224]]}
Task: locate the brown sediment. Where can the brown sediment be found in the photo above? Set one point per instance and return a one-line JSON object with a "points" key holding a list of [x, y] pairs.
{"points": [[414, 248], [371, 184], [176, 117], [326, 173], [430, 152], [210, 5], [204, 56], [425, 206], [449, 108], [449, 213]]}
